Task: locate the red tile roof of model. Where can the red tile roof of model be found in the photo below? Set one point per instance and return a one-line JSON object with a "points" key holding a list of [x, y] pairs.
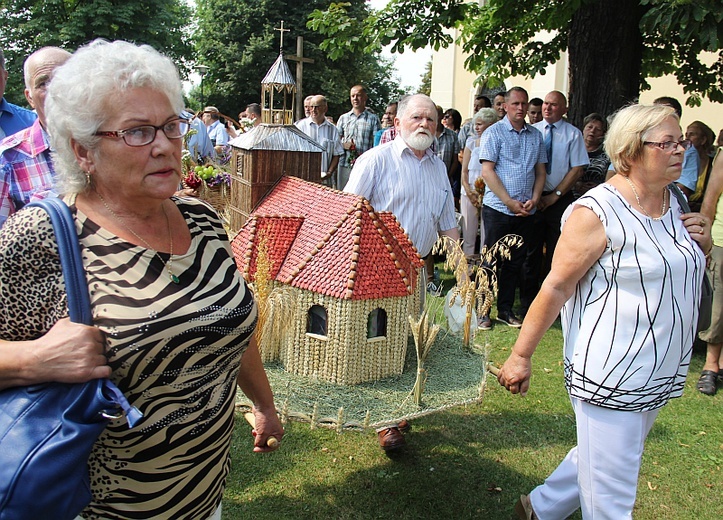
{"points": [[329, 242]]}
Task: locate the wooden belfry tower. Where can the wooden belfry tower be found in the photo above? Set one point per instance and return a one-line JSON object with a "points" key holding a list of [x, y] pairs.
{"points": [[278, 90], [275, 148]]}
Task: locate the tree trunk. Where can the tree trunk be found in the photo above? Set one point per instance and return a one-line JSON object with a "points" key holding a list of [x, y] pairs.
{"points": [[604, 49]]}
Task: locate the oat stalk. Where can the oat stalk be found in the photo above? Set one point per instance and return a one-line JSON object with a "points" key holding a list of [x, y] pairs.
{"points": [[476, 286]]}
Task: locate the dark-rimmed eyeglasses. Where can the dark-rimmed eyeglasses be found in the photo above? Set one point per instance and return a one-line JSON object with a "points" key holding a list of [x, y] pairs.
{"points": [[670, 146], [146, 134]]}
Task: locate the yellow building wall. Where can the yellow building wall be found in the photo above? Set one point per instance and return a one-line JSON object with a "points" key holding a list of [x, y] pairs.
{"points": [[453, 87]]}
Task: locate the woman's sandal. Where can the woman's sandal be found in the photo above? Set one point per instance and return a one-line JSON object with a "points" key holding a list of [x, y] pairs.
{"points": [[706, 383], [523, 508]]}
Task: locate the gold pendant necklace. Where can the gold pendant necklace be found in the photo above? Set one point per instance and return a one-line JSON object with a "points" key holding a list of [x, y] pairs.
{"points": [[169, 264], [637, 199]]}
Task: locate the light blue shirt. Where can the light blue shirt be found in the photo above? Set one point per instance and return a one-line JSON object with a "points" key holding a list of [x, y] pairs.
{"points": [[466, 132], [515, 155], [14, 118], [416, 191], [691, 167], [199, 144], [217, 133], [326, 135], [568, 151]]}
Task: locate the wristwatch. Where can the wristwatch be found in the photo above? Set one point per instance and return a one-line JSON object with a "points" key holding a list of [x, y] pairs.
{"points": [[558, 193]]}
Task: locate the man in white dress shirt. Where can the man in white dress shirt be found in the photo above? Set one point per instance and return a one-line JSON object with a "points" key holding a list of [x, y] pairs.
{"points": [[566, 161], [404, 177], [323, 132], [407, 179]]}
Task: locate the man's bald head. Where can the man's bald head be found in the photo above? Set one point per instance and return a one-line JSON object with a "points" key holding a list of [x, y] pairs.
{"points": [[38, 71]]}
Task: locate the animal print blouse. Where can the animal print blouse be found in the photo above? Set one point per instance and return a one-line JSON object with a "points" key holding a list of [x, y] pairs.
{"points": [[174, 349]]}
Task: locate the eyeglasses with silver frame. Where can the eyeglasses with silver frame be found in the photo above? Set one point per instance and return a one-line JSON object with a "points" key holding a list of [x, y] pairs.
{"points": [[670, 146], [146, 134]]}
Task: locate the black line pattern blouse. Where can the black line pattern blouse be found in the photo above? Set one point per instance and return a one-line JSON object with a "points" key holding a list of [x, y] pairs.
{"points": [[629, 327]]}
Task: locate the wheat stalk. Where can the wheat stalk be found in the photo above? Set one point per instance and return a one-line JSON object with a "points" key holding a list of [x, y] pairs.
{"points": [[479, 291], [275, 305], [424, 332]]}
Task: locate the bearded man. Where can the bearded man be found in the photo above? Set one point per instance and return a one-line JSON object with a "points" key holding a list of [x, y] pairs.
{"points": [[404, 177]]}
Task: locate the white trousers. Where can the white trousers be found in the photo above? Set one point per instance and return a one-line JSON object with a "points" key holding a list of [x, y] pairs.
{"points": [[471, 222], [600, 474]]}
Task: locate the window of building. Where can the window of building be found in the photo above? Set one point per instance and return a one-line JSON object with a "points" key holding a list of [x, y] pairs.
{"points": [[377, 323], [316, 322]]}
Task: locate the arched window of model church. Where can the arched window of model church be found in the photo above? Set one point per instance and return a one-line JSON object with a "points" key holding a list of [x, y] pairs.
{"points": [[316, 322], [377, 323]]}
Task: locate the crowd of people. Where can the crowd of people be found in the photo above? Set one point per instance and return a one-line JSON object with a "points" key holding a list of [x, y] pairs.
{"points": [[606, 240]]}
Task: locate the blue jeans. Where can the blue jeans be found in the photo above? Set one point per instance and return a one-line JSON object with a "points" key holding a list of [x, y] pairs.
{"points": [[498, 225]]}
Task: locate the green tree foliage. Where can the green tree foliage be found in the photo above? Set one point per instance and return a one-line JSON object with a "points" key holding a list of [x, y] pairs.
{"points": [[28, 25], [501, 38], [237, 40], [426, 85]]}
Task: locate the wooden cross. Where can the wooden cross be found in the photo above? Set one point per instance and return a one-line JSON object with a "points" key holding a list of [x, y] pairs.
{"points": [[300, 60], [282, 31]]}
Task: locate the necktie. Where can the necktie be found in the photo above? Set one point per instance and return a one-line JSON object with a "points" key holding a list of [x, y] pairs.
{"points": [[548, 147]]}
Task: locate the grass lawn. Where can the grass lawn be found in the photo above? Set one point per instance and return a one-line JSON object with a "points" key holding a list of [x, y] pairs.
{"points": [[475, 461]]}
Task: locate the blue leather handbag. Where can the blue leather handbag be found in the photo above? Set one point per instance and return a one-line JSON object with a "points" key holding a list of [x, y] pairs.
{"points": [[47, 431]]}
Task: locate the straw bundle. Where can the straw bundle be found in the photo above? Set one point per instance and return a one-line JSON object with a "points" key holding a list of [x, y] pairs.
{"points": [[477, 286], [275, 306], [424, 334]]}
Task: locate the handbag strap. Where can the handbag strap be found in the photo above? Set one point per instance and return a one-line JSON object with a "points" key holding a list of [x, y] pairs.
{"points": [[682, 200], [71, 262], [76, 287]]}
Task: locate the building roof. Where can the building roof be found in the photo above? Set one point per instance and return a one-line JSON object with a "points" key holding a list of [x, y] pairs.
{"points": [[279, 73], [329, 242], [276, 137]]}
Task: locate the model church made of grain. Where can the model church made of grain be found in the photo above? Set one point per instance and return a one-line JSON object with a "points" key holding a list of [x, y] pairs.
{"points": [[351, 274]]}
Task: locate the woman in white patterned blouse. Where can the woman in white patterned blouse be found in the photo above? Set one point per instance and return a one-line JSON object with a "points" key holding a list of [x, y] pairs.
{"points": [[626, 276]]}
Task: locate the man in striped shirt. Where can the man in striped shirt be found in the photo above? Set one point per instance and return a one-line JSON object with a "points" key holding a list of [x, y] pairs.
{"points": [[323, 132], [26, 168], [406, 178], [356, 129]]}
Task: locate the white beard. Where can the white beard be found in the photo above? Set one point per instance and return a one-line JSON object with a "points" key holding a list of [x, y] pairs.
{"points": [[419, 140]]}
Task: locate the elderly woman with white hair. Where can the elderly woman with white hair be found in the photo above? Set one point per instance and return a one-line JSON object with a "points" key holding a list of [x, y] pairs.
{"points": [[470, 200], [627, 275], [173, 318]]}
